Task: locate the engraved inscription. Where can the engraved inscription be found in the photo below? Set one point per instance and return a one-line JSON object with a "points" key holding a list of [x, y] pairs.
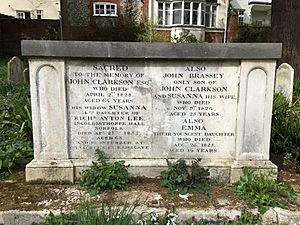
{"points": [[182, 109]]}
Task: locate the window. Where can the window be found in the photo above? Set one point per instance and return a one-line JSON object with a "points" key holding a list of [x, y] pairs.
{"points": [[39, 14], [210, 15], [160, 13], [23, 15], [177, 12], [186, 13], [105, 9], [195, 16], [240, 13], [259, 23]]}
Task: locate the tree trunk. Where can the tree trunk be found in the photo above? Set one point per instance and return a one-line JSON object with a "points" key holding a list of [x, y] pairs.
{"points": [[286, 29]]}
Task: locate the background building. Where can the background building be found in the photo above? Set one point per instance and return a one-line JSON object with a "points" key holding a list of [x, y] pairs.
{"points": [[31, 9], [205, 19], [255, 12]]}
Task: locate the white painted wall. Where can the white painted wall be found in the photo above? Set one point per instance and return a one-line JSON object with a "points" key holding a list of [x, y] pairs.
{"points": [[50, 8]]}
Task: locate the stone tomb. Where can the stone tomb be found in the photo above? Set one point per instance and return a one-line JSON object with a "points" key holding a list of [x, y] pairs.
{"points": [[148, 102]]}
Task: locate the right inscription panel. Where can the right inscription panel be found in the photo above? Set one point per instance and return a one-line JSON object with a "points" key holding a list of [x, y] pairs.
{"points": [[195, 109]]}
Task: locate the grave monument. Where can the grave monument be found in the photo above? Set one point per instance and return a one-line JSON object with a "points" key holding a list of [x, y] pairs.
{"points": [[148, 102]]}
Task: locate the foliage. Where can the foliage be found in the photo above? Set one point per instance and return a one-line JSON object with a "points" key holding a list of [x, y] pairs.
{"points": [[259, 191], [177, 177], [150, 34], [15, 125], [153, 218], [245, 218], [51, 34], [88, 213], [3, 68], [104, 176], [185, 37], [253, 34], [285, 136]]}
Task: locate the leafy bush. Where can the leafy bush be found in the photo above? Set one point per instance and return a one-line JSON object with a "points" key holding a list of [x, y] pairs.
{"points": [[253, 34], [285, 136], [185, 37], [259, 191], [177, 177], [150, 34], [15, 125], [3, 69], [50, 34], [104, 176]]}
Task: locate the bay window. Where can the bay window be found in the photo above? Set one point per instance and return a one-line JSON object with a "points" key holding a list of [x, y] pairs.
{"points": [[187, 13]]}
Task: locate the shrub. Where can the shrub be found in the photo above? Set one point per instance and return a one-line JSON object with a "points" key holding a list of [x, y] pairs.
{"points": [[150, 34], [104, 176], [253, 34], [185, 37], [15, 125], [3, 69], [177, 177], [259, 191], [285, 136]]}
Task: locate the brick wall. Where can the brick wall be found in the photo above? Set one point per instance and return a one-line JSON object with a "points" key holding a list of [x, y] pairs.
{"points": [[12, 31]]}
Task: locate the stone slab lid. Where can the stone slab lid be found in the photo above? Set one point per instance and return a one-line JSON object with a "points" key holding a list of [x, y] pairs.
{"points": [[143, 50]]}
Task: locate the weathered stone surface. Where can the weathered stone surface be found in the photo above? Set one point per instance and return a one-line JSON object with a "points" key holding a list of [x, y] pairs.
{"points": [[50, 171], [26, 75], [147, 103], [287, 217], [264, 167], [152, 109], [270, 217], [284, 80], [15, 69], [139, 50]]}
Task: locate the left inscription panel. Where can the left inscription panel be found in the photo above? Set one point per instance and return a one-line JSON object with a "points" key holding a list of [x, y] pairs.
{"points": [[109, 107]]}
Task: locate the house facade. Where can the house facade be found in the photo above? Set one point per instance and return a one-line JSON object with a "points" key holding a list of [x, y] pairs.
{"points": [[206, 19], [254, 12], [31, 9]]}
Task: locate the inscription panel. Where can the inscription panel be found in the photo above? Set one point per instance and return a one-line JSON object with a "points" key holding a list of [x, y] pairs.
{"points": [[151, 109]]}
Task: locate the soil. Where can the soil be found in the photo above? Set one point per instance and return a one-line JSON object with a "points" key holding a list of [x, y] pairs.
{"points": [[16, 194]]}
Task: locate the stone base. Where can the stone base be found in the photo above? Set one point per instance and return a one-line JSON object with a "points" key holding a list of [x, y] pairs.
{"points": [[68, 170], [259, 166], [219, 169], [53, 171]]}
